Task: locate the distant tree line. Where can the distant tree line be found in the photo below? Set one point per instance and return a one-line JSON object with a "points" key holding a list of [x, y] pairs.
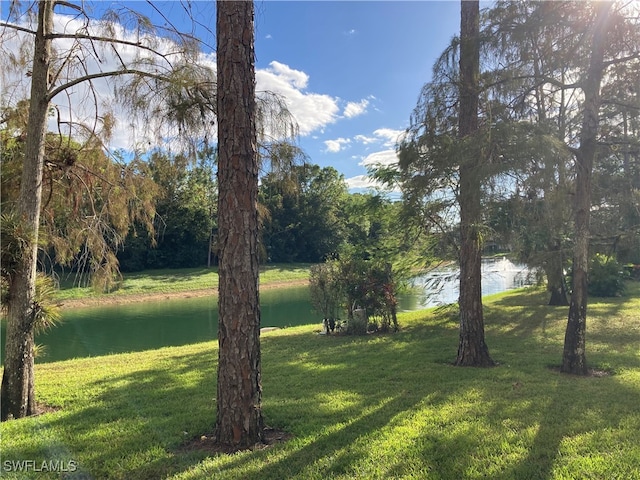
{"points": [[185, 215], [305, 216], [159, 210]]}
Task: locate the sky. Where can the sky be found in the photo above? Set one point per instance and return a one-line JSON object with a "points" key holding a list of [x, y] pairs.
{"points": [[368, 60], [350, 71]]}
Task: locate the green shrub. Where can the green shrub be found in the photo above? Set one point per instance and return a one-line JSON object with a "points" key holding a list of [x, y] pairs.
{"points": [[606, 276], [358, 323], [325, 289], [351, 282]]}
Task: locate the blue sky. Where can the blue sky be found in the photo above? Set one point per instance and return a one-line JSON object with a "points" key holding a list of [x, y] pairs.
{"points": [[351, 71], [372, 57]]}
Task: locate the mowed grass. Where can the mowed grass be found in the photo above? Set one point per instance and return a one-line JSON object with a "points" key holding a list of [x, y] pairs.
{"points": [[373, 407], [178, 280]]}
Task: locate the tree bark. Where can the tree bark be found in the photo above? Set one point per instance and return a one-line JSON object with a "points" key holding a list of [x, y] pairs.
{"points": [[472, 349], [574, 356], [239, 416], [555, 276], [18, 396]]}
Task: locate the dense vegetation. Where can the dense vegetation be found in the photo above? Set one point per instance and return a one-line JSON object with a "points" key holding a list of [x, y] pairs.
{"points": [[307, 216]]}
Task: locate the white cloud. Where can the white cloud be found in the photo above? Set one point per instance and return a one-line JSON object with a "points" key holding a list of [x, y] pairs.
{"points": [[312, 111], [364, 139], [383, 158], [360, 181], [284, 73], [334, 146], [365, 183], [389, 135], [353, 109]]}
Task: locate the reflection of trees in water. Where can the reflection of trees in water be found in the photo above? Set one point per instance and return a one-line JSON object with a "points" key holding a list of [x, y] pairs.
{"points": [[441, 285]]}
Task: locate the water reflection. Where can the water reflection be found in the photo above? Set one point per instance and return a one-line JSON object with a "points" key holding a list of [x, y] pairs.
{"points": [[109, 329], [442, 286], [150, 325]]}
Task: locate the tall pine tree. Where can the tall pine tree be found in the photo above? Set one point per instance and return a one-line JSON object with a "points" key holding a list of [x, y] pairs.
{"points": [[239, 416]]}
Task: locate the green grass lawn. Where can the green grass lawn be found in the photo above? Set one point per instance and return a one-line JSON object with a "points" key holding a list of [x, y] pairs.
{"points": [[179, 280], [373, 407]]}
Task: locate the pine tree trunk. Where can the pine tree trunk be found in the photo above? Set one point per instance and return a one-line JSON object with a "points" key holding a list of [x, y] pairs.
{"points": [[472, 350], [17, 396], [239, 417], [574, 356], [557, 294], [555, 276]]}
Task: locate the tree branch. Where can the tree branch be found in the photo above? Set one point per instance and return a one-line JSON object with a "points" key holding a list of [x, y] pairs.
{"points": [[85, 78], [69, 5], [616, 61], [630, 106], [93, 38], [17, 27], [541, 80]]}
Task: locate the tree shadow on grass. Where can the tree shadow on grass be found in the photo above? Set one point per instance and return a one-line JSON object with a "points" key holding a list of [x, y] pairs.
{"points": [[560, 420], [129, 428], [525, 314], [527, 317], [136, 423], [333, 449]]}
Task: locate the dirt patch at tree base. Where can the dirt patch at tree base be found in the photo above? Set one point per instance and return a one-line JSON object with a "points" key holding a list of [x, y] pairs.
{"points": [[208, 444], [41, 409]]}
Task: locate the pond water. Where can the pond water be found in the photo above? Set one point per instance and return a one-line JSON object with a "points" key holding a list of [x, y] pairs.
{"points": [[108, 329], [442, 286], [95, 331]]}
